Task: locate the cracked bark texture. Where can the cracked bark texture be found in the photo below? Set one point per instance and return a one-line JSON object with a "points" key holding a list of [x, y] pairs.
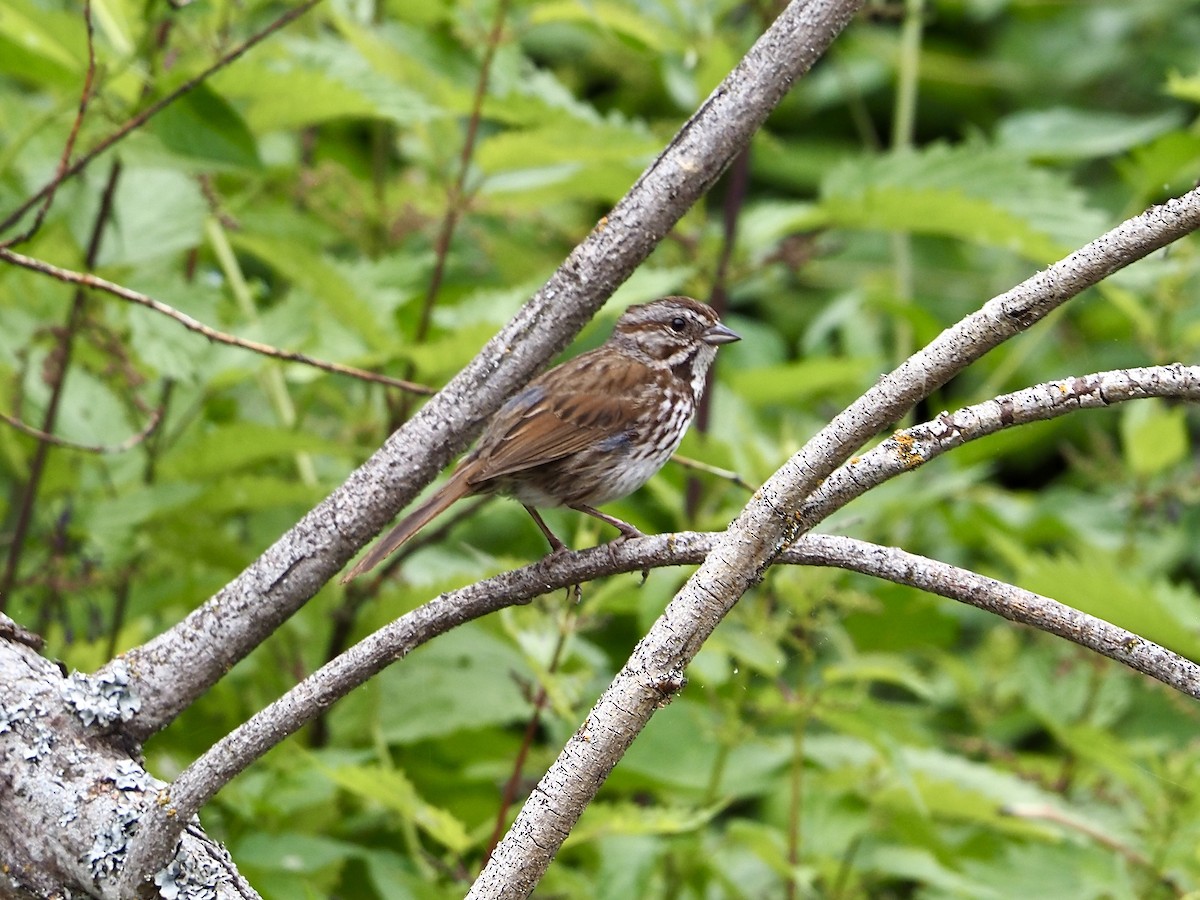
{"points": [[71, 795]]}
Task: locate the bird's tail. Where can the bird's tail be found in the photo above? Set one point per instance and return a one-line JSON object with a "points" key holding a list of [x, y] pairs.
{"points": [[455, 489]]}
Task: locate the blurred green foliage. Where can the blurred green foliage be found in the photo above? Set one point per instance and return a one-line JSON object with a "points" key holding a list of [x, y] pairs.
{"points": [[838, 737]]}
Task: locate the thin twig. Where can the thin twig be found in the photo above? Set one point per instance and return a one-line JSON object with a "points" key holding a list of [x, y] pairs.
{"points": [[456, 196], [697, 466], [457, 193], [85, 95], [218, 337], [154, 109], [126, 445], [62, 366]]}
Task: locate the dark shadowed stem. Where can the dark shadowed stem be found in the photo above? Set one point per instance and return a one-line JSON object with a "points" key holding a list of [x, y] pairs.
{"points": [[62, 356], [457, 198], [509, 794], [64, 159], [735, 199], [457, 195]]}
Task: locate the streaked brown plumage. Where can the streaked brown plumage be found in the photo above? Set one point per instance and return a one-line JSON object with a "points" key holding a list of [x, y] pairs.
{"points": [[590, 430]]}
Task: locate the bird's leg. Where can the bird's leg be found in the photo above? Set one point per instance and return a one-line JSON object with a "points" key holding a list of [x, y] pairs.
{"points": [[627, 530], [556, 546]]}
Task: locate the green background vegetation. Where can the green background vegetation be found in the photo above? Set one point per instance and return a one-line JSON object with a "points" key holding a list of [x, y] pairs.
{"points": [[838, 737]]}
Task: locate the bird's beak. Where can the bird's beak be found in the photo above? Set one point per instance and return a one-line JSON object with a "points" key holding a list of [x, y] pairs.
{"points": [[719, 334]]}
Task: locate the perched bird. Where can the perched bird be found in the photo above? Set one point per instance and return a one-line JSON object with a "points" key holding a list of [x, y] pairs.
{"points": [[590, 430]]}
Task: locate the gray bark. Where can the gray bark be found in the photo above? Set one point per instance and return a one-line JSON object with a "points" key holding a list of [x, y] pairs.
{"points": [[71, 793]]}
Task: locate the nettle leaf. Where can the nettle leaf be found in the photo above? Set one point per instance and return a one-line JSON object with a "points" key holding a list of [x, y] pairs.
{"points": [[678, 750], [464, 680], [976, 193], [313, 81], [90, 410], [392, 789], [627, 865], [250, 492], [111, 521], [1064, 133], [1154, 436], [881, 668], [604, 820], [567, 142], [415, 59], [203, 126], [293, 853], [318, 275], [1184, 87], [1096, 581], [797, 382], [237, 445], [157, 212], [41, 45], [625, 22]]}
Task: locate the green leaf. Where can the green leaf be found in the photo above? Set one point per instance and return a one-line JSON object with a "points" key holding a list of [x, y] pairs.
{"points": [[319, 276], [1184, 87], [795, 383], [34, 44], [604, 820], [158, 213], [1096, 582], [465, 680], [626, 863], [1154, 436], [314, 81], [293, 853], [975, 193], [881, 669], [394, 791], [626, 22], [239, 445], [677, 749], [1063, 133], [201, 125]]}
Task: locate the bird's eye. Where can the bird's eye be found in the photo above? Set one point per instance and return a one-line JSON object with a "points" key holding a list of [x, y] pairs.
{"points": [[678, 324]]}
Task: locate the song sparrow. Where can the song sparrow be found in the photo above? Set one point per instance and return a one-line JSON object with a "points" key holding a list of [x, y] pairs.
{"points": [[590, 430]]}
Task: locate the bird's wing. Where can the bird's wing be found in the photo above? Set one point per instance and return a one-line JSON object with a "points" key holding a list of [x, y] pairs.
{"points": [[538, 426]]}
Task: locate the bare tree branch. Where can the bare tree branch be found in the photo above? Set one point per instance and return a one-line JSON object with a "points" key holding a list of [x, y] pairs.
{"points": [[915, 446], [87, 280], [770, 522], [1013, 603], [80, 795]]}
